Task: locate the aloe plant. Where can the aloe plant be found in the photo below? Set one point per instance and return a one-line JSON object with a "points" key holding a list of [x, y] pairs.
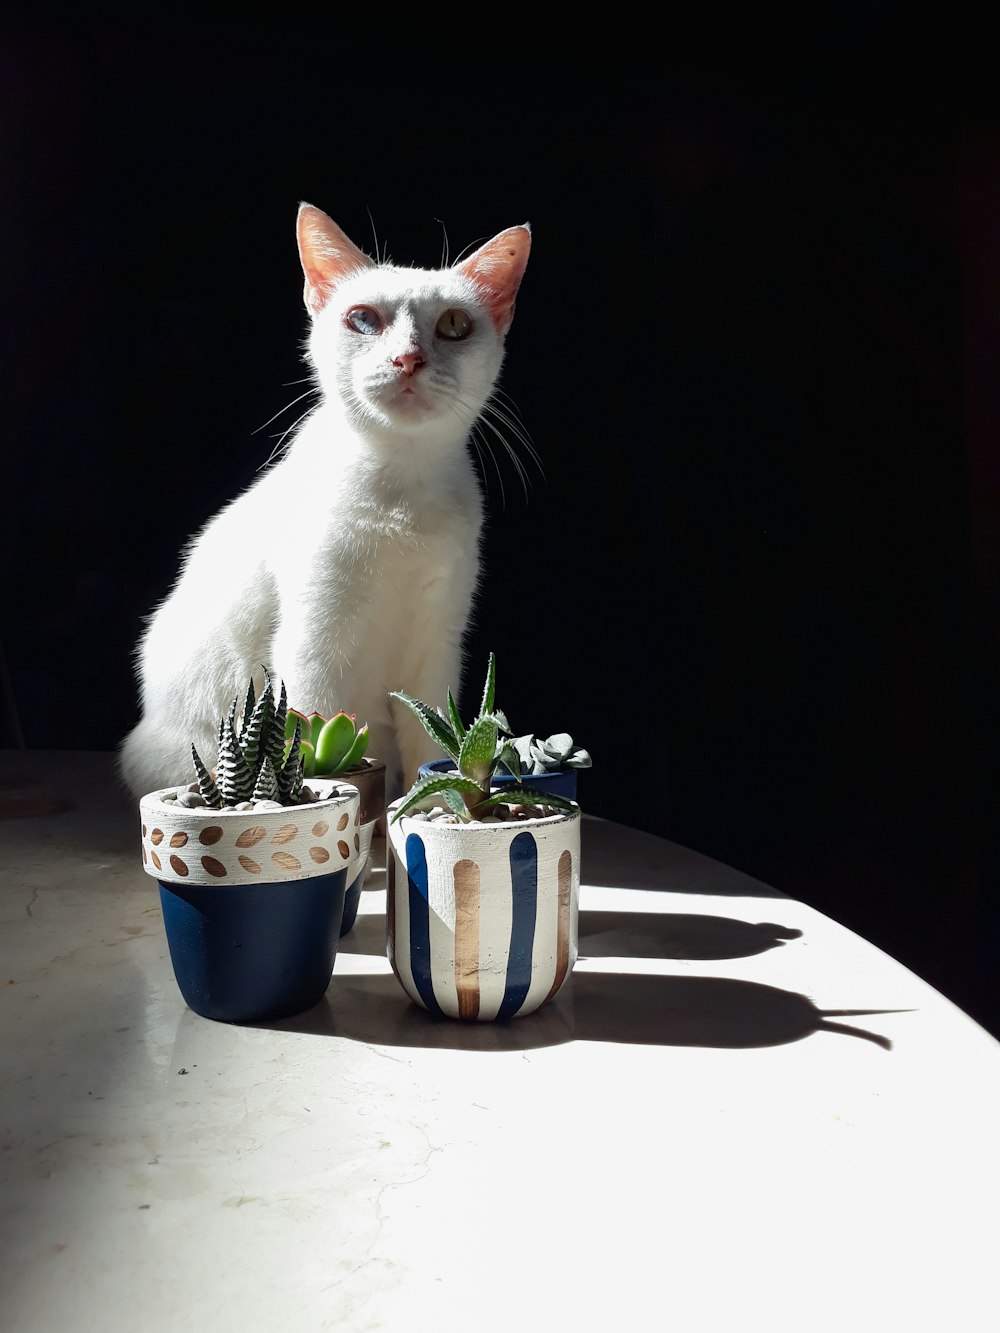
{"points": [[329, 746], [478, 751], [253, 762]]}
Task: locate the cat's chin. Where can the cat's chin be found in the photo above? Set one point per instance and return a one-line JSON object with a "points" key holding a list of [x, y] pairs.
{"points": [[412, 407]]}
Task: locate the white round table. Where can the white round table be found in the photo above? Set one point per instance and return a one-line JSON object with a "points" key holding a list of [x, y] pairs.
{"points": [[737, 1114]]}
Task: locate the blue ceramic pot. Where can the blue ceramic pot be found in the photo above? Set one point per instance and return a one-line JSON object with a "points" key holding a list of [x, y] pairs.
{"points": [[561, 781], [251, 952], [252, 899]]}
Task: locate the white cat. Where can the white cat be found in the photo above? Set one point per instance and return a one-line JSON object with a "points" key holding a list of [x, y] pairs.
{"points": [[349, 567]]}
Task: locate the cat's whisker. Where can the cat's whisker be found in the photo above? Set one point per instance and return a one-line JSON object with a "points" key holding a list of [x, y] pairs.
{"points": [[508, 416], [313, 389], [467, 250], [278, 448], [519, 468], [378, 259], [513, 420], [444, 244], [468, 419], [480, 442]]}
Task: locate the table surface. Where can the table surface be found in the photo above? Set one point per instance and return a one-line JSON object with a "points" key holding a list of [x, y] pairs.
{"points": [[735, 1113]]}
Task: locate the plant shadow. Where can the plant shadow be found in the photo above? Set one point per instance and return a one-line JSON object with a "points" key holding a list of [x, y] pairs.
{"points": [[624, 1008], [604, 934], [676, 935], [609, 1006]]}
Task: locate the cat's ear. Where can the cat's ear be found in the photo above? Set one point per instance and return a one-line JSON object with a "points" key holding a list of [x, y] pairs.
{"points": [[326, 254], [498, 267]]}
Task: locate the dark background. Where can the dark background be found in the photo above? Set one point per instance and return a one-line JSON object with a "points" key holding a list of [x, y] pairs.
{"points": [[756, 348]]}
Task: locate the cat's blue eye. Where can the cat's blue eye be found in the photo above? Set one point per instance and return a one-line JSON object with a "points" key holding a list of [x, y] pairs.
{"points": [[454, 324], [363, 319]]}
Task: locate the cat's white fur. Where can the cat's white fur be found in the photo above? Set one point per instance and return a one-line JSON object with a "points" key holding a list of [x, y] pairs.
{"points": [[349, 567]]}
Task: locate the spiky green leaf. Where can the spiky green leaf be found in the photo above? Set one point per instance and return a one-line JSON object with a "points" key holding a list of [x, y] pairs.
{"points": [[432, 722], [526, 796], [256, 732], [234, 777], [274, 741], [509, 759], [456, 804], [248, 703], [489, 689], [478, 755], [292, 767], [266, 785], [457, 725], [206, 783], [431, 786]]}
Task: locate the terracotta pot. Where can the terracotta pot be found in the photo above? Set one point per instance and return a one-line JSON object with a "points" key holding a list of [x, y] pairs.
{"points": [[481, 918], [369, 778], [253, 900]]}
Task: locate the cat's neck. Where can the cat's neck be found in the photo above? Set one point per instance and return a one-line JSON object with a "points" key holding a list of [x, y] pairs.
{"points": [[331, 446]]}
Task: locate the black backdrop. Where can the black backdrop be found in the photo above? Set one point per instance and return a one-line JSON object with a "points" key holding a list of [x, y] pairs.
{"points": [[755, 348]]}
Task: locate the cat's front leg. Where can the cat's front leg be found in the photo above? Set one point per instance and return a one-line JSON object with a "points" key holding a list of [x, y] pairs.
{"points": [[326, 673], [431, 673]]}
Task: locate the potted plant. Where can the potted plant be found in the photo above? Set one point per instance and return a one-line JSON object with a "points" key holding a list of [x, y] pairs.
{"points": [[253, 866], [483, 877], [336, 747], [549, 764]]}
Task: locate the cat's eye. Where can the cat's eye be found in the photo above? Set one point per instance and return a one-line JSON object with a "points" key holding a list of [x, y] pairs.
{"points": [[454, 324], [363, 319]]}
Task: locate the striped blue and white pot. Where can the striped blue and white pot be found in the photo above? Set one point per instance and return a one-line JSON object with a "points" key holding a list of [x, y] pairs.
{"points": [[481, 919]]}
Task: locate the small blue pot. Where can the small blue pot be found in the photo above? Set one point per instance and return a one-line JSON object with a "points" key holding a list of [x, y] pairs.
{"points": [[246, 953], [561, 781]]}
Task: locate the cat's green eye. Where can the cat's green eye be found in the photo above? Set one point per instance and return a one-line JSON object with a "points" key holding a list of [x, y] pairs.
{"points": [[363, 319], [454, 324]]}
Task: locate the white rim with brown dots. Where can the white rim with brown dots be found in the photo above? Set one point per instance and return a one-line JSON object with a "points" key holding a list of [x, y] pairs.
{"points": [[185, 845]]}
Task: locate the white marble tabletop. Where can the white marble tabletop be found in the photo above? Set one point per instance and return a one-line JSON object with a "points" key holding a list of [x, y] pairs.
{"points": [[736, 1114]]}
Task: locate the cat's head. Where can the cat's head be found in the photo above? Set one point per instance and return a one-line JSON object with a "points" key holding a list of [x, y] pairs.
{"points": [[407, 350]]}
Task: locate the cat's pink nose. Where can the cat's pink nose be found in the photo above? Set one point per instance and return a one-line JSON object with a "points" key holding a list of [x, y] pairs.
{"points": [[409, 363]]}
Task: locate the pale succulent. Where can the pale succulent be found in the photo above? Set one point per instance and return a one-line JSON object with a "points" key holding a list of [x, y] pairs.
{"points": [[478, 751], [545, 756], [253, 763]]}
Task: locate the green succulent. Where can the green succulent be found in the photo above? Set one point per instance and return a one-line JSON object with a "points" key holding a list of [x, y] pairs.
{"points": [[253, 763], [329, 745], [544, 756], [478, 751]]}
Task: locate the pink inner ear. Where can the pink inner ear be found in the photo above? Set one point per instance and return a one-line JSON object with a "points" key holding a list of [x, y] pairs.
{"points": [[327, 255], [497, 268]]}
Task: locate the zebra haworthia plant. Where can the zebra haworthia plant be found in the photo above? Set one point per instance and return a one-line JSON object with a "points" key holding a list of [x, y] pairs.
{"points": [[254, 763], [478, 751]]}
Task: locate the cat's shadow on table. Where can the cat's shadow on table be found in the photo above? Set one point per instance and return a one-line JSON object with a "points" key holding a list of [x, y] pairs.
{"points": [[600, 1002]]}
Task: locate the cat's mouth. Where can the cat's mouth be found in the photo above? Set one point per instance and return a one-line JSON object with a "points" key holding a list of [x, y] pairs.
{"points": [[406, 396]]}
